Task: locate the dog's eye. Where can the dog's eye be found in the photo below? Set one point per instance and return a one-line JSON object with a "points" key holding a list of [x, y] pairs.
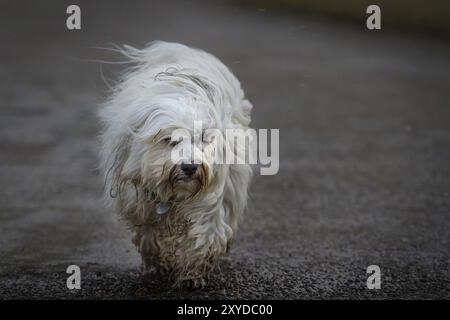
{"points": [[209, 139], [170, 142]]}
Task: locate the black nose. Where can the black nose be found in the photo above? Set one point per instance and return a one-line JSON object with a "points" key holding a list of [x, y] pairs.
{"points": [[189, 168]]}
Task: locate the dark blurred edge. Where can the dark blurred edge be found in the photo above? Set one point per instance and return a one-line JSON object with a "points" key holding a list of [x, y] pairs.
{"points": [[418, 16]]}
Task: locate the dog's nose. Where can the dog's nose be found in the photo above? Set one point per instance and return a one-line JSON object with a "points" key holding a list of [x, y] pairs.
{"points": [[189, 168]]}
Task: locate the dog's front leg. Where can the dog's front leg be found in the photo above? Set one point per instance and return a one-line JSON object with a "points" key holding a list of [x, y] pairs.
{"points": [[198, 253]]}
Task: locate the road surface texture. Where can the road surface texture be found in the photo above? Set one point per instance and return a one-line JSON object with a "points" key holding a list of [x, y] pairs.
{"points": [[364, 121]]}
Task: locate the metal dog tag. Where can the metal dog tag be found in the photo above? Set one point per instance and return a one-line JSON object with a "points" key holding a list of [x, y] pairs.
{"points": [[162, 207]]}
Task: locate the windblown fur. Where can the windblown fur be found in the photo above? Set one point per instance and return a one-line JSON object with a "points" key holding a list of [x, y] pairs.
{"points": [[168, 87]]}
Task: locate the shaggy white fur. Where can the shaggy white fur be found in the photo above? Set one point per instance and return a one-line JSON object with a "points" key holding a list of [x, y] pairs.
{"points": [[183, 221]]}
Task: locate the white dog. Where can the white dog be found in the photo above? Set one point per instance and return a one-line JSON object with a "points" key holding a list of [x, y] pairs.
{"points": [[184, 213]]}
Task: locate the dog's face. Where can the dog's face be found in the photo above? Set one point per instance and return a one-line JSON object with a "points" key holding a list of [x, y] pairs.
{"points": [[175, 149], [179, 163]]}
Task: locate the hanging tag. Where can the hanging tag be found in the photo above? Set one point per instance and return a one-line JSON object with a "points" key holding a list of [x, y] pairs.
{"points": [[162, 207]]}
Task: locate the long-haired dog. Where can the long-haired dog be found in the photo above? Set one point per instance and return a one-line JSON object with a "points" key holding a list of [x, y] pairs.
{"points": [[184, 212]]}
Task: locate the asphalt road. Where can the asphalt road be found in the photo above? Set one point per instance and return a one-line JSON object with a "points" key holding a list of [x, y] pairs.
{"points": [[364, 179]]}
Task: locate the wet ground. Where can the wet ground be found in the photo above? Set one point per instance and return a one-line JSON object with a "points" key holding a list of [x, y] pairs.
{"points": [[364, 179]]}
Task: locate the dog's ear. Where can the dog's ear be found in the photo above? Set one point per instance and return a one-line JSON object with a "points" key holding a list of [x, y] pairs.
{"points": [[242, 113], [114, 178]]}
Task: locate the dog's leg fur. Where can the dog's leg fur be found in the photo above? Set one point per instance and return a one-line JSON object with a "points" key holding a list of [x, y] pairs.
{"points": [[188, 243]]}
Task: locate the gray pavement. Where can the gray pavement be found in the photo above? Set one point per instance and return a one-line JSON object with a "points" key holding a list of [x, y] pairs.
{"points": [[364, 179]]}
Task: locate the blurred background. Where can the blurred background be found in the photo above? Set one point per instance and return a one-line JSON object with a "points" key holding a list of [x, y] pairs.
{"points": [[408, 15], [364, 119]]}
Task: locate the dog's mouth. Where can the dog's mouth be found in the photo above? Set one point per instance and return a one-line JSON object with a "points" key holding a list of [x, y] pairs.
{"points": [[175, 185], [186, 179], [179, 175], [187, 182]]}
